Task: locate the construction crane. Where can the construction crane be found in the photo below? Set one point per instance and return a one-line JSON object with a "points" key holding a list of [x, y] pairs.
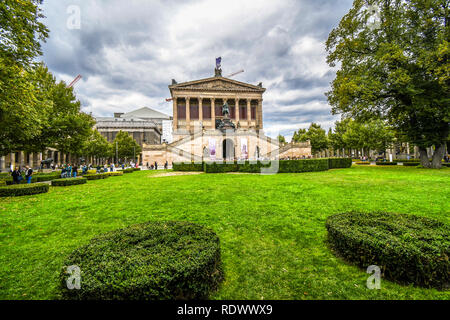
{"points": [[234, 73], [78, 78]]}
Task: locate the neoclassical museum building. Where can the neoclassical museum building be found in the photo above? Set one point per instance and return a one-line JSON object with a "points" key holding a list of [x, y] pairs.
{"points": [[219, 119]]}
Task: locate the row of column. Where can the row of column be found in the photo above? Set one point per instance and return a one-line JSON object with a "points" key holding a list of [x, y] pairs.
{"points": [[213, 110], [34, 160]]}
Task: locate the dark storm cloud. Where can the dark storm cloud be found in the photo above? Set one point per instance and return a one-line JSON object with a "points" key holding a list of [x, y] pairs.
{"points": [[128, 52]]}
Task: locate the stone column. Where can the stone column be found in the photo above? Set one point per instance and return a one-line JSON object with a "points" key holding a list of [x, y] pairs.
{"points": [[188, 113], [30, 162], [2, 163], [175, 113], [200, 109], [259, 115], [236, 109], [13, 159], [249, 112], [213, 112], [22, 159]]}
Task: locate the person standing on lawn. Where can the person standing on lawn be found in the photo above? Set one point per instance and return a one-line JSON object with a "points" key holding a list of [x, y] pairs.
{"points": [[156, 165], [15, 175], [28, 174], [75, 170]]}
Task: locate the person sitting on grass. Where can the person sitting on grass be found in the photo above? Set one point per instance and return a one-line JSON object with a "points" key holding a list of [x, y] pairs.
{"points": [[28, 174]]}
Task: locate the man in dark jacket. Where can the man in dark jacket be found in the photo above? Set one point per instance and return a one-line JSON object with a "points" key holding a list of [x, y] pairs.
{"points": [[28, 174], [15, 175]]}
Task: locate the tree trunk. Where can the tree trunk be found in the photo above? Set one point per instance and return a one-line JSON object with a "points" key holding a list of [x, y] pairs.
{"points": [[436, 161], [438, 155], [423, 154]]}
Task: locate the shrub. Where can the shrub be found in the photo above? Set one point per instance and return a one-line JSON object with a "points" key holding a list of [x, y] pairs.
{"points": [[2, 183], [335, 163], [93, 171], [96, 176], [136, 169], [362, 163], [115, 173], [129, 170], [406, 160], [408, 249], [36, 178], [68, 182], [149, 261], [307, 165], [187, 166], [446, 164], [23, 189], [252, 167], [221, 167], [411, 164], [382, 163]]}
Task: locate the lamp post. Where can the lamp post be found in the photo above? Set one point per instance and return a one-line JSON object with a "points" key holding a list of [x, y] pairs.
{"points": [[117, 153]]}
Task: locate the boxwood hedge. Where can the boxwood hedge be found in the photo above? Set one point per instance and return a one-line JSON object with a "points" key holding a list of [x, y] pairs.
{"points": [[149, 261], [97, 176], [411, 164], [307, 165], [68, 182], [114, 173], [221, 167], [386, 163], [2, 183], [408, 249], [335, 163], [129, 170], [23, 189], [363, 163], [187, 166]]}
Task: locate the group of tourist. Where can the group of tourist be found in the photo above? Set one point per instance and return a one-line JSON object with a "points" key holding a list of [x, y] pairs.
{"points": [[18, 172], [155, 166]]}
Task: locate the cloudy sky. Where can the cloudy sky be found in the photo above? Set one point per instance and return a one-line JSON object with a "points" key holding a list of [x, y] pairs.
{"points": [[128, 52]]}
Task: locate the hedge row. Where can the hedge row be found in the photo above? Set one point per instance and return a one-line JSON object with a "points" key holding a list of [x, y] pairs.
{"points": [[114, 173], [68, 182], [151, 261], [129, 170], [96, 176], [191, 166], [362, 163], [335, 163], [284, 166], [411, 164], [386, 163], [2, 183], [408, 249], [23, 189], [34, 179]]}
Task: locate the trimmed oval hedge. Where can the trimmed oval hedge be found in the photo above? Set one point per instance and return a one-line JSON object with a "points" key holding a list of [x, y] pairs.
{"points": [[114, 173], [150, 261], [408, 249], [68, 182], [96, 176], [18, 190]]}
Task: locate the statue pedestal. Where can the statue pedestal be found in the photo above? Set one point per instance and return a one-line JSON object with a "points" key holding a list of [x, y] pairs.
{"points": [[226, 124]]}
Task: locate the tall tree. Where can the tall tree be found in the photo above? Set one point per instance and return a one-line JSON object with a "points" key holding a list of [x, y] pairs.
{"points": [[21, 111], [317, 136], [97, 146], [281, 140], [395, 68], [66, 127], [126, 145]]}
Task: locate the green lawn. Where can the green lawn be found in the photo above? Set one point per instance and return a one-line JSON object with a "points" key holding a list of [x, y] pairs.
{"points": [[272, 228]]}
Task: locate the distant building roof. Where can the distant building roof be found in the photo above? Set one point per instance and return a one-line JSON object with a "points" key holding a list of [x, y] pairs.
{"points": [[145, 113]]}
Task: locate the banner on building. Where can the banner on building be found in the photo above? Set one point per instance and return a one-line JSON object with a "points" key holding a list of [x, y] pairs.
{"points": [[212, 149], [244, 149]]}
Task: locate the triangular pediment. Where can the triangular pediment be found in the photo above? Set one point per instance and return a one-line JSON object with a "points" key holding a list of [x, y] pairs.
{"points": [[217, 84]]}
